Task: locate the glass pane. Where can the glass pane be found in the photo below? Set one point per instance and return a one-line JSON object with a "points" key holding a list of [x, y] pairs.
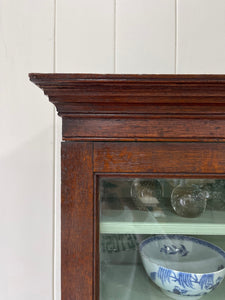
{"points": [[162, 238]]}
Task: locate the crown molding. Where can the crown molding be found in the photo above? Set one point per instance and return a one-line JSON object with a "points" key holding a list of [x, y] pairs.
{"points": [[144, 107]]}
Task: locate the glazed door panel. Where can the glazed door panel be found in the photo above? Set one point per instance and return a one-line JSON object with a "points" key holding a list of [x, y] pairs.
{"points": [[166, 229], [141, 188]]}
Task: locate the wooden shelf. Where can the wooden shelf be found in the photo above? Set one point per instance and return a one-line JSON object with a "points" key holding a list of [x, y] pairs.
{"points": [[142, 222], [131, 282]]}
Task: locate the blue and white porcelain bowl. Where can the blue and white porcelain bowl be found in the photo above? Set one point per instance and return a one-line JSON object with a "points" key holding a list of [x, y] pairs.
{"points": [[183, 267]]}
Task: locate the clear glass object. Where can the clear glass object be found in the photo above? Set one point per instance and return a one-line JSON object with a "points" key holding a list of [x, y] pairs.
{"points": [[134, 209], [146, 193], [189, 199]]}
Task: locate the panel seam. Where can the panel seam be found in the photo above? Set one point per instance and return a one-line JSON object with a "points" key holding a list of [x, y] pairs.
{"points": [[176, 37], [115, 33], [54, 288]]}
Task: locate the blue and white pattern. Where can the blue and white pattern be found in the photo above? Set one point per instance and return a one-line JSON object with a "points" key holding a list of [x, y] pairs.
{"points": [[185, 281], [174, 250], [179, 291], [160, 253], [182, 238]]}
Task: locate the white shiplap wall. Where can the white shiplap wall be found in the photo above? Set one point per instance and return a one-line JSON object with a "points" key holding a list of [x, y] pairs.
{"points": [[201, 36], [97, 36], [26, 152], [145, 36]]}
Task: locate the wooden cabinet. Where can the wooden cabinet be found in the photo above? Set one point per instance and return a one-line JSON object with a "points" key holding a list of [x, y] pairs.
{"points": [[118, 129]]}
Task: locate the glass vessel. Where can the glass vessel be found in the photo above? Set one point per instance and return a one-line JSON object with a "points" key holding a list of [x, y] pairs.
{"points": [[189, 198], [146, 193]]}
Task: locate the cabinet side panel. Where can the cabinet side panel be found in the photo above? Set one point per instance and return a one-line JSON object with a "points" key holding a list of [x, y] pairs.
{"points": [[77, 221], [170, 157]]}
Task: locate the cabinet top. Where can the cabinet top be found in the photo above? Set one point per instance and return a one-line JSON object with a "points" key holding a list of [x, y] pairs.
{"points": [[70, 77], [123, 88], [114, 106]]}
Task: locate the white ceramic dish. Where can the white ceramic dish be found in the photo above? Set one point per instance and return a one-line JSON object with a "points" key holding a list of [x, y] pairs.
{"points": [[183, 267]]}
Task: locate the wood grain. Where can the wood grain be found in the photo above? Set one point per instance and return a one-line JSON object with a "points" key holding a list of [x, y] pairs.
{"points": [[150, 127], [77, 240], [137, 107], [89, 88], [74, 109], [192, 158]]}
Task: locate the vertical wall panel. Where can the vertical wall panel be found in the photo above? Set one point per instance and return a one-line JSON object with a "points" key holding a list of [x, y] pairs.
{"points": [[145, 36], [26, 152], [85, 36], [201, 36]]}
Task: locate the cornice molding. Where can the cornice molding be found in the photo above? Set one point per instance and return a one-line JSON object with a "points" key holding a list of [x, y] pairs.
{"points": [[146, 107], [147, 89]]}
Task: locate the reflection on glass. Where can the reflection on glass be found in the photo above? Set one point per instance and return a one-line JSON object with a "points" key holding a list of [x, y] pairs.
{"points": [[216, 191], [136, 210]]}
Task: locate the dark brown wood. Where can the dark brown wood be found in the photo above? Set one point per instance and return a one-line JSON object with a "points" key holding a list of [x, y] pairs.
{"points": [[96, 279], [77, 239], [177, 158], [71, 88], [127, 125], [68, 109], [145, 128], [143, 107]]}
